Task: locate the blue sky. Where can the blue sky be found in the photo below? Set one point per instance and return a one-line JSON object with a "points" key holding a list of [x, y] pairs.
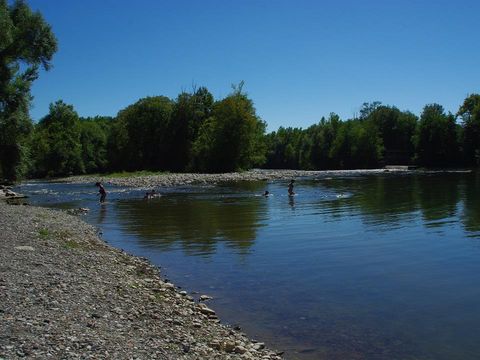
{"points": [[300, 60]]}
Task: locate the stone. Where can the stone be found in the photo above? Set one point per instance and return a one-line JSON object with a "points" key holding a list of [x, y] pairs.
{"points": [[215, 344], [24, 248], [229, 346], [240, 350], [204, 309]]}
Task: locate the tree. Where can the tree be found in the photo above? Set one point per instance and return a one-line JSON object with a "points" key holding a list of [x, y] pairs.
{"points": [[57, 147], [436, 137], [232, 138], [395, 129], [26, 44], [470, 114], [284, 147], [140, 138], [93, 139], [322, 137], [189, 113]]}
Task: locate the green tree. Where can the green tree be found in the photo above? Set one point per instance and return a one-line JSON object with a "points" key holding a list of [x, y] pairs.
{"points": [[140, 137], [232, 138], [322, 137], [284, 148], [93, 138], [57, 149], [470, 114], [436, 137], [26, 44], [395, 129], [189, 114]]}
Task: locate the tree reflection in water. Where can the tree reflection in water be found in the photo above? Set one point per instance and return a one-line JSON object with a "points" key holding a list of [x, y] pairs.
{"points": [[196, 223]]}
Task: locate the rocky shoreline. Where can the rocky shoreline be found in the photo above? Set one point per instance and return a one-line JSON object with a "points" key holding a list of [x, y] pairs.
{"points": [[179, 179], [65, 294]]}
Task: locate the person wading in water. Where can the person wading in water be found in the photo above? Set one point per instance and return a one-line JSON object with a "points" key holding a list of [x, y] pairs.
{"points": [[290, 188], [101, 191]]}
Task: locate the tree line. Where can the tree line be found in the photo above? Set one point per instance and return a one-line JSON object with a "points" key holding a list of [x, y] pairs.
{"points": [[382, 135], [191, 133], [195, 132]]}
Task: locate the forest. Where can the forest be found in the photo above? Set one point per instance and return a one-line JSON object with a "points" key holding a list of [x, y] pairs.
{"points": [[195, 132]]}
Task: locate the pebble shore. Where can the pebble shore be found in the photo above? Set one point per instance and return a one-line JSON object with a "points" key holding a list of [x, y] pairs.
{"points": [[178, 179], [65, 294]]}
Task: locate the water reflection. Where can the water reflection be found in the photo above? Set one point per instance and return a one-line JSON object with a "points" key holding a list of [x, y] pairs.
{"points": [[195, 225], [471, 203], [389, 202]]}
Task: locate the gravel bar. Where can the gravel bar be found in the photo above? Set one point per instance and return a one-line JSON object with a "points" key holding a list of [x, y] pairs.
{"points": [[66, 294], [178, 179]]}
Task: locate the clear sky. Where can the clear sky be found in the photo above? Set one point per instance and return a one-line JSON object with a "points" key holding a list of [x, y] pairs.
{"points": [[300, 59]]}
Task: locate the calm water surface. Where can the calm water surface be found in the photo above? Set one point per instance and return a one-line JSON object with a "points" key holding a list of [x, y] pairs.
{"points": [[378, 267]]}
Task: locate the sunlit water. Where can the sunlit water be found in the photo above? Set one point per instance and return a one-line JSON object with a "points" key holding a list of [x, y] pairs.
{"points": [[380, 267]]}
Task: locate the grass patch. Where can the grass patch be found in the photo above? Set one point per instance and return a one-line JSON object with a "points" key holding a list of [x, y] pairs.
{"points": [[44, 233], [70, 245]]}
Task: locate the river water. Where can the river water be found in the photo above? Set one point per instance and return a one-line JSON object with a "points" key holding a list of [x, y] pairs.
{"points": [[354, 267]]}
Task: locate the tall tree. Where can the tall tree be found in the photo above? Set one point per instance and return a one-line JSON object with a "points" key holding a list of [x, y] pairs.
{"points": [[395, 128], [189, 113], [232, 138], [140, 138], [26, 44], [436, 137], [93, 138], [57, 147], [470, 114]]}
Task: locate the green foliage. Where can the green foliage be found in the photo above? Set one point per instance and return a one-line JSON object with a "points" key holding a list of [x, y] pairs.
{"points": [[26, 43], [140, 138], [284, 148], [232, 138], [470, 114], [56, 147], [71, 245], [93, 138], [196, 133], [395, 128], [189, 114], [330, 144], [436, 138], [44, 233]]}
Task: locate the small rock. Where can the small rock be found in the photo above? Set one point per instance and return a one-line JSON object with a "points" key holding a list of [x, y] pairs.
{"points": [[229, 346], [24, 248], [240, 350], [259, 346], [185, 348], [204, 309], [215, 345]]}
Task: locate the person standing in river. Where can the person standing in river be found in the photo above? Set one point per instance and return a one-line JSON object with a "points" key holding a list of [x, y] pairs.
{"points": [[101, 191], [290, 188]]}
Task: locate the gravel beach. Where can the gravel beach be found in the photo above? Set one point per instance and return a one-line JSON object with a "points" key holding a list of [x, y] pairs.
{"points": [[178, 179], [65, 294]]}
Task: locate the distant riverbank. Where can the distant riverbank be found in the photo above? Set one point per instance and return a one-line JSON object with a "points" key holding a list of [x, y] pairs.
{"points": [[178, 179], [64, 293]]}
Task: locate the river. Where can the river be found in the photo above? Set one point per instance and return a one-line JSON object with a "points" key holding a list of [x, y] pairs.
{"points": [[354, 267]]}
